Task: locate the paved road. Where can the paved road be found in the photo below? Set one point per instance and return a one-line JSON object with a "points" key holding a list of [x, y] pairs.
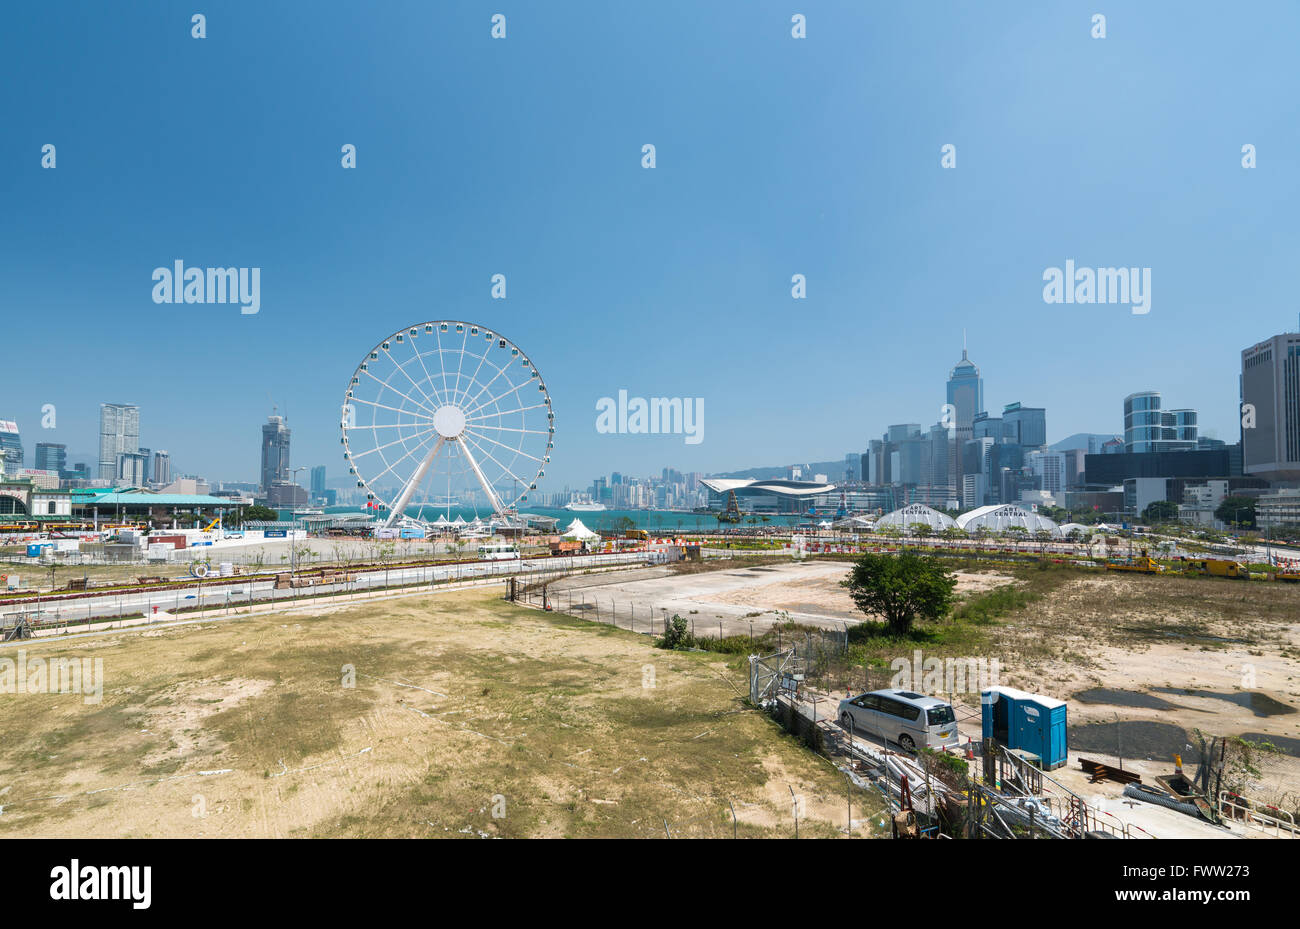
{"points": [[218, 593]]}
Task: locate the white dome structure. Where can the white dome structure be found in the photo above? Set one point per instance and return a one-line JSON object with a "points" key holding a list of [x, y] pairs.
{"points": [[1001, 517], [905, 517]]}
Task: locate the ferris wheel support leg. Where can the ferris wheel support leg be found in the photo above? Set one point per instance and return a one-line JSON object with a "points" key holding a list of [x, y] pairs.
{"points": [[409, 490], [487, 488]]}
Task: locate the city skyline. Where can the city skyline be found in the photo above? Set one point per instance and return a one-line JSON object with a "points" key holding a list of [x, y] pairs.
{"points": [[664, 282]]}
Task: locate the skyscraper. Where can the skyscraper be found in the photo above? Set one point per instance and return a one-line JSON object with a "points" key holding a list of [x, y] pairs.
{"points": [[275, 452], [318, 482], [1270, 414], [51, 456], [119, 433], [966, 394], [1148, 428], [129, 471], [1025, 425], [11, 447], [162, 467]]}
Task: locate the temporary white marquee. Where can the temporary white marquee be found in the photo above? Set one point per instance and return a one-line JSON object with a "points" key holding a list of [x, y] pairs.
{"points": [[999, 517], [905, 517]]}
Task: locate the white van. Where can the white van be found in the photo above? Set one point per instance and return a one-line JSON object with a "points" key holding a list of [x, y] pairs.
{"points": [[912, 720]]}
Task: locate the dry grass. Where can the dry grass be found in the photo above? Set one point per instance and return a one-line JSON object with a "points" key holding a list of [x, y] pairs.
{"points": [[462, 706]]}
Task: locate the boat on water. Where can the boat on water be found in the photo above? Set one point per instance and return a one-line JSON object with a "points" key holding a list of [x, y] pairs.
{"points": [[585, 507]]}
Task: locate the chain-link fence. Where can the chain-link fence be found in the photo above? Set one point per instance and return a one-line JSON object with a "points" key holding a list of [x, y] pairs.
{"points": [[218, 596], [816, 647]]}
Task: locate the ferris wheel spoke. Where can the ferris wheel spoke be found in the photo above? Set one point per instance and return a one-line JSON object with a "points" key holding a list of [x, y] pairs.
{"points": [[395, 409], [389, 469], [506, 471], [460, 361], [528, 431], [425, 368], [384, 425], [500, 371], [405, 396], [522, 409], [479, 367], [399, 440], [478, 472], [499, 397], [442, 366], [401, 367], [518, 451], [384, 406]]}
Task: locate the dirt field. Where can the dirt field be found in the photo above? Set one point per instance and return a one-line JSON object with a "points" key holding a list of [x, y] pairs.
{"points": [[468, 717], [1143, 662]]}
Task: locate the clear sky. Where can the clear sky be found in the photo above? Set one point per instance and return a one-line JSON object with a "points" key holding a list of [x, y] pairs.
{"points": [[522, 156]]}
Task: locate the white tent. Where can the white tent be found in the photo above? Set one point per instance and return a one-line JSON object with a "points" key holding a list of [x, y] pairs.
{"points": [[580, 532], [999, 517], [905, 517]]}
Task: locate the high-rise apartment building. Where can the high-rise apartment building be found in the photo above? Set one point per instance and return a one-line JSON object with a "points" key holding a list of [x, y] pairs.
{"points": [[119, 433], [162, 467], [275, 452], [130, 470], [1270, 412]]}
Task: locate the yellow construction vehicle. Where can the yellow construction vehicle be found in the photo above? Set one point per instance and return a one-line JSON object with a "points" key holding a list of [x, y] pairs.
{"points": [[1218, 567], [1140, 565]]}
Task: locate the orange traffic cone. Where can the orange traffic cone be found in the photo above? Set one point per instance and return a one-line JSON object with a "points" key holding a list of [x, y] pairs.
{"points": [[970, 752]]}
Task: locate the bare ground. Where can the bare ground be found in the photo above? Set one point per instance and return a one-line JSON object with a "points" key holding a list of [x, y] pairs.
{"points": [[468, 717]]}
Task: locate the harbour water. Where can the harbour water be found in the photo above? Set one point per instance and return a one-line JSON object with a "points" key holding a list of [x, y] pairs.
{"points": [[656, 521]]}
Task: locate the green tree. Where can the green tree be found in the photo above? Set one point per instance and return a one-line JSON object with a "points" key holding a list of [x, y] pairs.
{"points": [[1160, 511], [677, 635], [624, 523], [1236, 511], [901, 588], [252, 513]]}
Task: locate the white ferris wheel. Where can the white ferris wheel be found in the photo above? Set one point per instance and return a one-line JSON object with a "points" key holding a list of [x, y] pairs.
{"points": [[446, 414]]}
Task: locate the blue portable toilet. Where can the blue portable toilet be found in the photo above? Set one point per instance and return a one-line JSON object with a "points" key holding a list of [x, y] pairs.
{"points": [[997, 713], [1031, 722], [1040, 723]]}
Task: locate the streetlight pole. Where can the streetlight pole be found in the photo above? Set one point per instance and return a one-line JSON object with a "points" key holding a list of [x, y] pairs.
{"points": [[293, 545]]}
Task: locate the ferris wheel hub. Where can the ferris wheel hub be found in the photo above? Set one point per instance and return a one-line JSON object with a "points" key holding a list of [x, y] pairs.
{"points": [[449, 421]]}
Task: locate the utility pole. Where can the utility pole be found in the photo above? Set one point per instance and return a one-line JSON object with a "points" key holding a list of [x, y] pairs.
{"points": [[293, 544]]}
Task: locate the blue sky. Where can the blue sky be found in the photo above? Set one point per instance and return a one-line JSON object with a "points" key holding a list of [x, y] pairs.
{"points": [[522, 156]]}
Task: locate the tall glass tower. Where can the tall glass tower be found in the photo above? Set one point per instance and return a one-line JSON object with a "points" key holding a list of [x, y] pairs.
{"points": [[119, 434], [965, 393]]}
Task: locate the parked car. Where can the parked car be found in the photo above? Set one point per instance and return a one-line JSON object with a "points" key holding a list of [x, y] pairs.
{"points": [[912, 720]]}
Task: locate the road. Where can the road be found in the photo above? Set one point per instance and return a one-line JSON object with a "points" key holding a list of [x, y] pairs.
{"points": [[223, 593]]}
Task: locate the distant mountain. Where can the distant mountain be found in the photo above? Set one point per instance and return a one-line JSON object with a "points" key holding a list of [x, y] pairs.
{"points": [[834, 471], [1080, 440]]}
